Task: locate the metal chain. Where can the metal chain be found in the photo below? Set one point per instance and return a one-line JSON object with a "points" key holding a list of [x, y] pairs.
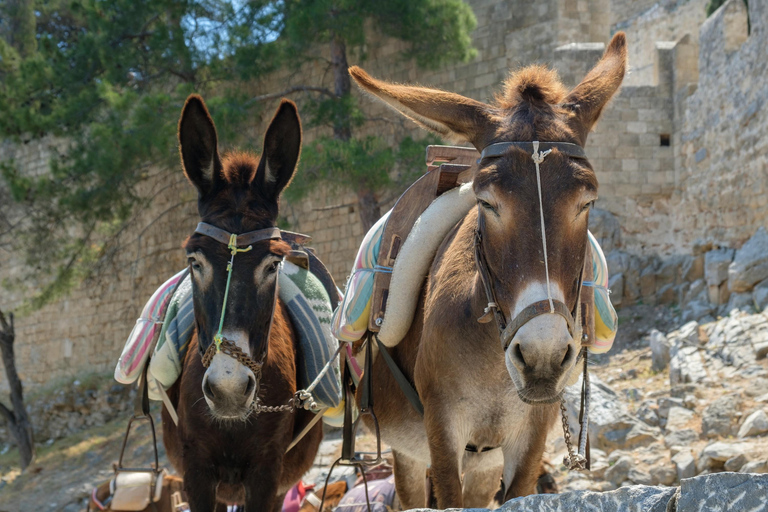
{"points": [[229, 348]]}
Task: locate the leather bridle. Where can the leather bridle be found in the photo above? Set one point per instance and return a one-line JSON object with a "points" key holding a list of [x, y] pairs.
{"points": [[507, 331], [222, 344]]}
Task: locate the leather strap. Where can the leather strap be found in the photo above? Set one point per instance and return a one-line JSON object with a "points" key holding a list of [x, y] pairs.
{"points": [[485, 278], [500, 148], [532, 311], [243, 240], [405, 385]]}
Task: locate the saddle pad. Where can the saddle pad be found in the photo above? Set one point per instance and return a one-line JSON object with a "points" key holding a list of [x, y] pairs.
{"points": [[412, 266], [136, 350], [350, 320], [308, 305]]}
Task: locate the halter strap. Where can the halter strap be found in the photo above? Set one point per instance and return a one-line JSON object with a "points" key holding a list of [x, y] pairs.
{"points": [[500, 148], [243, 240]]}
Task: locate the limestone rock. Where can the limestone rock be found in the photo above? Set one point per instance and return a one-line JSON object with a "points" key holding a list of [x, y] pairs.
{"points": [[754, 425], [685, 464], [605, 227], [692, 268], [750, 265], [686, 365], [665, 404], [756, 466], [741, 301], [638, 476], [684, 437], [714, 455], [647, 414], [616, 285], [717, 419], [663, 475], [610, 424], [667, 294], [716, 265], [648, 283], [635, 497], [760, 295], [699, 310], [619, 471], [678, 417], [735, 463], [659, 350], [724, 491]]}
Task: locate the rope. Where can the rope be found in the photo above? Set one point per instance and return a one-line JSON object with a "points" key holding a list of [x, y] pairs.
{"points": [[232, 247], [538, 157]]}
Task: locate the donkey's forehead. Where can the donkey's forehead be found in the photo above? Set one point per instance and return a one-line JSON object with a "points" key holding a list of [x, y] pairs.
{"points": [[515, 172]]}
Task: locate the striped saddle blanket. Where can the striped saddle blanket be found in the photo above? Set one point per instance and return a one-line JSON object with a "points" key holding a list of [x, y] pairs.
{"points": [[170, 310]]}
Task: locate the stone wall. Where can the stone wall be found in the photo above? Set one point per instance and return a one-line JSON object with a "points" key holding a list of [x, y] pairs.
{"points": [[675, 163]]}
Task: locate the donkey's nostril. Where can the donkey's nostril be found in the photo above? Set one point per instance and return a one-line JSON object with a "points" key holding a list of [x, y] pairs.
{"points": [[519, 354], [207, 389], [250, 386], [567, 356]]}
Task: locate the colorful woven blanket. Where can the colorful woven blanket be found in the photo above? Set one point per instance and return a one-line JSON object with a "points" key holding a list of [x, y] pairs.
{"points": [[308, 306]]}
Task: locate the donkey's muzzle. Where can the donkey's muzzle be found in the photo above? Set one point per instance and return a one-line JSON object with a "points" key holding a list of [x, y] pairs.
{"points": [[540, 357], [230, 395]]}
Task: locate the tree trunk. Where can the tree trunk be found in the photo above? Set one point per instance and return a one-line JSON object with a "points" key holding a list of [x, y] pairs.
{"points": [[342, 129], [18, 419], [342, 84], [369, 208], [22, 26]]}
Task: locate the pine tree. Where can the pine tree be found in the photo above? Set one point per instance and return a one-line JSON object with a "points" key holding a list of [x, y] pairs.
{"points": [[105, 81]]}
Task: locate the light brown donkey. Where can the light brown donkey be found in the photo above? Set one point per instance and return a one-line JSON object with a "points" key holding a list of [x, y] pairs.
{"points": [[498, 400]]}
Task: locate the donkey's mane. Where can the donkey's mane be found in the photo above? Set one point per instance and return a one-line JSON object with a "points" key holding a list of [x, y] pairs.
{"points": [[534, 84], [239, 167]]}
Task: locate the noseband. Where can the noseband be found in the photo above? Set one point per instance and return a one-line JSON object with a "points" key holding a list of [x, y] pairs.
{"points": [[220, 343], [507, 332]]}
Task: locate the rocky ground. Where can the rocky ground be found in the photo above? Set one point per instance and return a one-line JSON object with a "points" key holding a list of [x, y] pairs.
{"points": [[671, 401]]}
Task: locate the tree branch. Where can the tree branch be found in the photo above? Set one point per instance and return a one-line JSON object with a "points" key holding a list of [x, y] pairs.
{"points": [[9, 416], [290, 90]]}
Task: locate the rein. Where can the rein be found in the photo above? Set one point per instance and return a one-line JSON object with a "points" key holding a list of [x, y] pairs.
{"points": [[507, 331]]}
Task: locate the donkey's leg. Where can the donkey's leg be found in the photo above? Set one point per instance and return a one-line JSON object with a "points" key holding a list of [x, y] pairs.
{"points": [[261, 483], [278, 506], [482, 477], [410, 477], [521, 471], [444, 451], [200, 485]]}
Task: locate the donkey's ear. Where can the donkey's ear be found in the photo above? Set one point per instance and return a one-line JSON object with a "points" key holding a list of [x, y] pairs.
{"points": [[282, 145], [198, 146], [450, 115], [593, 93]]}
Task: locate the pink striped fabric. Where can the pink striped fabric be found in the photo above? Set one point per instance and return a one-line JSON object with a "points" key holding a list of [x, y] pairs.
{"points": [[148, 325]]}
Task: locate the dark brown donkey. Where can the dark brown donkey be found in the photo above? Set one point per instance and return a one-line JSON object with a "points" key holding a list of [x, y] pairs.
{"points": [[488, 406], [226, 452]]}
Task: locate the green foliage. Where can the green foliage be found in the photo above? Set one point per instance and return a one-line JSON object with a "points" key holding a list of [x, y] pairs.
{"points": [[368, 163], [107, 80], [714, 5], [436, 31]]}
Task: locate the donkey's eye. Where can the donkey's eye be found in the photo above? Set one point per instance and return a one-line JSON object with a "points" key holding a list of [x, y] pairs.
{"points": [[587, 206], [486, 205], [194, 264], [274, 267]]}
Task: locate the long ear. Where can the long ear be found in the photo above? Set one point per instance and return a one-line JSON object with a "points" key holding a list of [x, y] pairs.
{"points": [[450, 115], [198, 146], [282, 145], [593, 93]]}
